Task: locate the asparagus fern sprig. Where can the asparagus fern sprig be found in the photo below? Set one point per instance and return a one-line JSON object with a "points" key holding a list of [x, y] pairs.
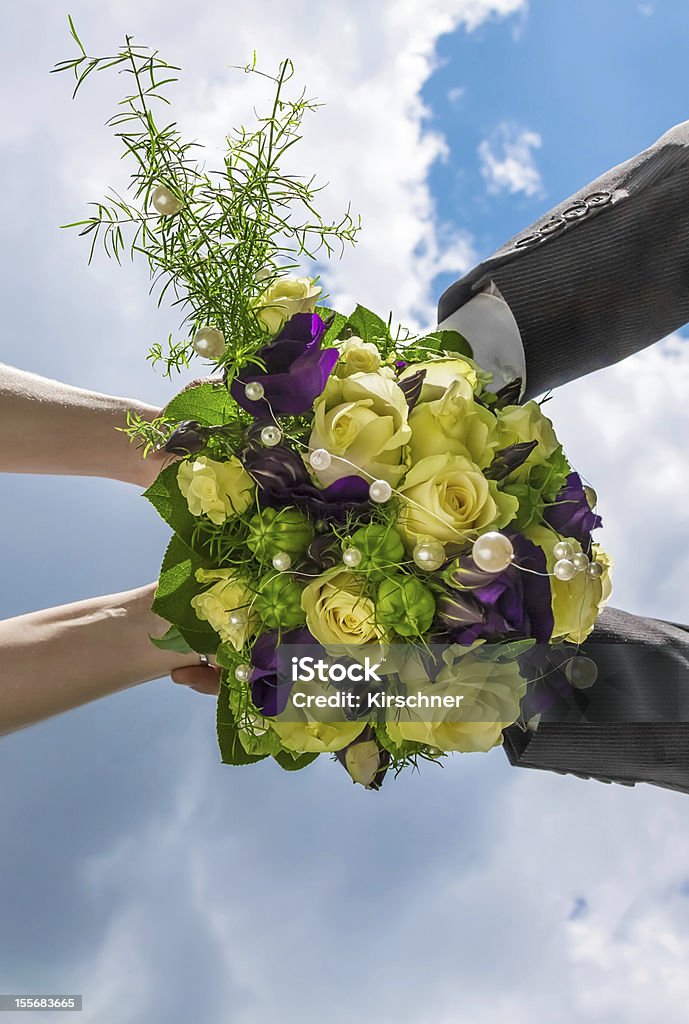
{"points": [[237, 227]]}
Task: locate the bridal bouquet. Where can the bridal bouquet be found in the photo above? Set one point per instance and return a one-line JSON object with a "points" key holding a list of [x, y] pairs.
{"points": [[368, 537]]}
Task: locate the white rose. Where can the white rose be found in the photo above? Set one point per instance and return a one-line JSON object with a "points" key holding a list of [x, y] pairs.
{"points": [[455, 425], [444, 371], [218, 490], [362, 419], [358, 356], [283, 299]]}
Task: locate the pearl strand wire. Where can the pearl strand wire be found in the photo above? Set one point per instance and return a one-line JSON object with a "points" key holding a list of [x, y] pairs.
{"points": [[394, 491], [465, 537]]}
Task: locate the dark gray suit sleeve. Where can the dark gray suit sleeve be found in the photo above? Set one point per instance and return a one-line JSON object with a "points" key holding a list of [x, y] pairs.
{"points": [[603, 274], [632, 725]]}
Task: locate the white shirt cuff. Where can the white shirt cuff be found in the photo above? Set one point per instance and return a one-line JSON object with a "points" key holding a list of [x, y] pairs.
{"points": [[488, 324]]}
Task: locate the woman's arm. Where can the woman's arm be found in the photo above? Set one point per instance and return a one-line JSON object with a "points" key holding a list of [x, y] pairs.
{"points": [[60, 658], [49, 427]]}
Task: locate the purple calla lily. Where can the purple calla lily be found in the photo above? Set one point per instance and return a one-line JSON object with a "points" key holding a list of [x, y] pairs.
{"points": [[296, 370], [269, 695], [282, 479], [509, 603], [571, 515]]}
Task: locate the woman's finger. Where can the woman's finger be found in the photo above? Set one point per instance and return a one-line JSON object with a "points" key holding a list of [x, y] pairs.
{"points": [[202, 678]]}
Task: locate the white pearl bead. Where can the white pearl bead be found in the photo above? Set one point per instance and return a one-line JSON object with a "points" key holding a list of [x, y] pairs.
{"points": [[351, 557], [242, 673], [380, 491], [563, 549], [429, 555], [492, 552], [254, 391], [209, 342], [594, 570], [281, 561], [581, 672], [591, 496], [164, 201], [238, 618], [580, 561], [320, 459], [270, 436], [565, 570]]}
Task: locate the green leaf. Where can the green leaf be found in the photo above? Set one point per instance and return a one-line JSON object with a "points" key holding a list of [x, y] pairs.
{"points": [[227, 657], [336, 324], [172, 641], [503, 651], [447, 341], [231, 749], [367, 325], [209, 404], [293, 762], [171, 505], [176, 587]]}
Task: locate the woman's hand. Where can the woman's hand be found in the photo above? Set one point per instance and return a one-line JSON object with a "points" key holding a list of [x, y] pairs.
{"points": [[60, 658], [202, 678], [49, 427]]}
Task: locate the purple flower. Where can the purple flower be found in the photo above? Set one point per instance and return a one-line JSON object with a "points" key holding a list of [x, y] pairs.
{"points": [[570, 514], [296, 369], [509, 603], [282, 479], [269, 695]]}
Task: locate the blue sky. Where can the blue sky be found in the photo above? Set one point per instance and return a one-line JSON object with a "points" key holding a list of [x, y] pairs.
{"points": [[134, 867]]}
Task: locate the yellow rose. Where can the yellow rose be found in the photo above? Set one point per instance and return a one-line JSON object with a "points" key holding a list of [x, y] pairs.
{"points": [[215, 489], [444, 371], [490, 693], [316, 730], [453, 425], [447, 498], [338, 610], [519, 423], [229, 593], [363, 419], [576, 602], [357, 356], [283, 298]]}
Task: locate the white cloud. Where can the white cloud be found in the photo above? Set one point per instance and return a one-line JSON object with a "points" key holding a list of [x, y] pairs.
{"points": [[507, 160], [255, 894], [367, 64], [646, 9], [456, 94], [624, 428]]}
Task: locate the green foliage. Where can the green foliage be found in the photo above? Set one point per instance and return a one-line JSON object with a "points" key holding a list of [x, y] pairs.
{"points": [[170, 504], [278, 602], [151, 434], [405, 605], [279, 530], [381, 548], [541, 486], [238, 227], [292, 762], [429, 345], [231, 748], [209, 403], [504, 651], [172, 641], [369, 327], [336, 324], [176, 587]]}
